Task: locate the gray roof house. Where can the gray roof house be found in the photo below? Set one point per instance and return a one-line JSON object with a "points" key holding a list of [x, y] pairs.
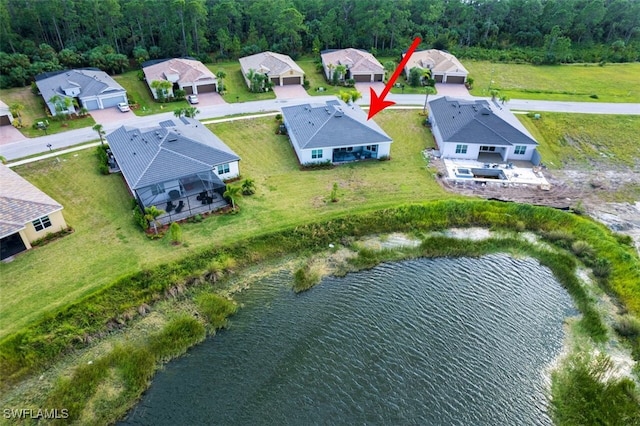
{"points": [[91, 88], [178, 166], [26, 213], [334, 132], [479, 130], [279, 68]]}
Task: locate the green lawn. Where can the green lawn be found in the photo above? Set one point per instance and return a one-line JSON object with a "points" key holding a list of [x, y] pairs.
{"points": [[106, 243], [138, 93], [236, 89], [34, 111], [611, 83], [586, 140]]}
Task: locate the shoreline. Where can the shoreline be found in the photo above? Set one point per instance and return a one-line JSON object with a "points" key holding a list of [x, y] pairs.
{"points": [[451, 241]]}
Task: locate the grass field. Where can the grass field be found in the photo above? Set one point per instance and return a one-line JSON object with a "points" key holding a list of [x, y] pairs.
{"points": [[585, 140], [98, 208], [34, 111], [577, 82]]}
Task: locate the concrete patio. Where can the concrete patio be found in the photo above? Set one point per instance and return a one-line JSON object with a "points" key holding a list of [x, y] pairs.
{"points": [[512, 173]]}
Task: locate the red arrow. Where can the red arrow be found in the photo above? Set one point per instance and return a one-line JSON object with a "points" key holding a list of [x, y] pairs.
{"points": [[378, 103]]}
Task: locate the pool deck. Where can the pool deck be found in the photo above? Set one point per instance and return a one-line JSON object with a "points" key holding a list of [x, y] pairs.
{"points": [[522, 173]]}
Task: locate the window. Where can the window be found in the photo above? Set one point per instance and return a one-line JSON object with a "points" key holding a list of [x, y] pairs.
{"points": [[43, 222], [520, 150], [372, 148], [223, 168], [487, 148], [316, 153], [461, 149], [157, 189]]}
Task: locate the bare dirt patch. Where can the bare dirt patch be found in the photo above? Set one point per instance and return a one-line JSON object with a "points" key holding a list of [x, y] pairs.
{"points": [[588, 191]]}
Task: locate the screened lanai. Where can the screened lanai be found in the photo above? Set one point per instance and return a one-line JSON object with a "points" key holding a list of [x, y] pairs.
{"points": [[184, 197]]}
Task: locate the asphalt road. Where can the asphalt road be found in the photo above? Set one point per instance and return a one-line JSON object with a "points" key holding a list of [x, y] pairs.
{"points": [[38, 145]]}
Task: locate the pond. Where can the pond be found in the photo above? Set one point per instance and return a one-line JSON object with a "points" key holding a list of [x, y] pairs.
{"points": [[427, 341]]}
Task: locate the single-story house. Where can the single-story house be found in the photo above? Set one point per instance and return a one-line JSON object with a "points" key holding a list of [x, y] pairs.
{"points": [[26, 214], [445, 68], [479, 130], [334, 132], [6, 118], [186, 74], [280, 69], [178, 166], [360, 65], [91, 88]]}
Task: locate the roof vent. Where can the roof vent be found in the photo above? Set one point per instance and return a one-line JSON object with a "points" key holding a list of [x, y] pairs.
{"points": [[485, 111], [172, 139]]}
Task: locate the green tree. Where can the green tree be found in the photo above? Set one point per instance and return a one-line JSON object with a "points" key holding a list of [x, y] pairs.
{"points": [[161, 87], [248, 187], [415, 77], [389, 68], [100, 130], [557, 47], [191, 112], [221, 75], [16, 110], [232, 193], [429, 91], [504, 99], [151, 214]]}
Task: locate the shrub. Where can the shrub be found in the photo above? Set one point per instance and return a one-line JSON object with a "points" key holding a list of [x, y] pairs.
{"points": [[216, 309], [334, 193], [175, 233], [304, 278], [176, 337], [601, 268], [628, 326], [582, 249], [139, 219]]}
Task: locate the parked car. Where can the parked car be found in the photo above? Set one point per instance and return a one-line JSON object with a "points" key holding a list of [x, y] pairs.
{"points": [[193, 99], [123, 107]]}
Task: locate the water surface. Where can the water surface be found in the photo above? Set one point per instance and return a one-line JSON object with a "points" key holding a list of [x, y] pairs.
{"points": [[427, 341]]}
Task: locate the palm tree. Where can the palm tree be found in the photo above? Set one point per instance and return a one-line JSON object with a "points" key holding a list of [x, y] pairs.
{"points": [[503, 99], [151, 214], [191, 112], [248, 187], [221, 76], [251, 77], [340, 72], [16, 110], [179, 112], [430, 90], [355, 95], [330, 67], [99, 129], [161, 88], [232, 193]]}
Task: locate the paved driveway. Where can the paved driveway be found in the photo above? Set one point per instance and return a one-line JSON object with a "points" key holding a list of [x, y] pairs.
{"points": [[9, 134], [206, 99], [455, 90], [110, 115], [364, 89], [291, 91]]}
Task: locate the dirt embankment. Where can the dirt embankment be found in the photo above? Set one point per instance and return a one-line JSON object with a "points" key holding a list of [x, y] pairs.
{"points": [[588, 191]]}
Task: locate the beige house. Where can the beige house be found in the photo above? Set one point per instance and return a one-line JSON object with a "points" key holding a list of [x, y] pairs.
{"points": [[445, 68], [6, 118], [187, 74], [360, 65], [280, 69], [26, 214]]}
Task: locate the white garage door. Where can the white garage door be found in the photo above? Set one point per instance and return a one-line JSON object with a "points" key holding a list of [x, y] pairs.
{"points": [[111, 102]]}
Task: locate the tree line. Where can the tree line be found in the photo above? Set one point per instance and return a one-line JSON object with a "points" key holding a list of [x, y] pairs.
{"points": [[38, 36]]}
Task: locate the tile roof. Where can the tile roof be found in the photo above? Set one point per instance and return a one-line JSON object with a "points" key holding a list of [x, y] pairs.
{"points": [[21, 202], [477, 122], [333, 124], [356, 60], [187, 70], [91, 81], [436, 60], [270, 63], [162, 153]]}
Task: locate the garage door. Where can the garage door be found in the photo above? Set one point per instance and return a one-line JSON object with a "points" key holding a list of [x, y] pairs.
{"points": [[111, 102], [291, 80], [377, 77], [438, 78], [455, 79], [207, 88], [91, 105], [11, 245], [362, 78], [188, 90], [275, 81], [4, 120]]}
